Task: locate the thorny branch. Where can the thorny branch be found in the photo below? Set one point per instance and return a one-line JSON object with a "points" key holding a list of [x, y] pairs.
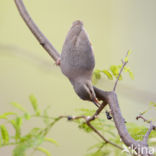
{"points": [[107, 97]]}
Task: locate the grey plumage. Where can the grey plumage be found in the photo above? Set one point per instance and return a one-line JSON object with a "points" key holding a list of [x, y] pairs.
{"points": [[77, 61]]}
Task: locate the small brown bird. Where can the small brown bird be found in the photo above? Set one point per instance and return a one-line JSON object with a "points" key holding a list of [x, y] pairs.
{"points": [[77, 62]]}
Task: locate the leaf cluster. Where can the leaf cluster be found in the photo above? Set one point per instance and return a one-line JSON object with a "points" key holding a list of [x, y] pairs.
{"points": [[112, 72], [34, 138]]}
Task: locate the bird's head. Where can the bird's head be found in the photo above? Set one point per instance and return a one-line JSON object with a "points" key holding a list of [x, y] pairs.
{"points": [[85, 91]]}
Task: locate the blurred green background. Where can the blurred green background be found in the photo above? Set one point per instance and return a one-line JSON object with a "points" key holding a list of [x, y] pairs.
{"points": [[113, 27]]}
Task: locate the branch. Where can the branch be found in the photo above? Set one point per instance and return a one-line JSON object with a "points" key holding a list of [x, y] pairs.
{"points": [[101, 136], [111, 99], [123, 65], [36, 31], [98, 111], [152, 127], [122, 130], [88, 122], [141, 117], [107, 97]]}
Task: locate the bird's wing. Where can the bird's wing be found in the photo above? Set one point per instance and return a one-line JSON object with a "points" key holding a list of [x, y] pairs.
{"points": [[77, 56]]}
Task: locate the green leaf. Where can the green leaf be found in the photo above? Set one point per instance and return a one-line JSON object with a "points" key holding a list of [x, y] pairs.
{"points": [[45, 151], [19, 121], [17, 130], [115, 70], [17, 126], [18, 106], [32, 142], [5, 134], [9, 113], [94, 80], [153, 104], [27, 116], [0, 141], [51, 140], [20, 150], [120, 78], [46, 120], [98, 145], [85, 111], [137, 132], [153, 135], [34, 103], [131, 75], [108, 74], [126, 59], [142, 113], [97, 74], [5, 115], [126, 69], [31, 134], [129, 52], [85, 127]]}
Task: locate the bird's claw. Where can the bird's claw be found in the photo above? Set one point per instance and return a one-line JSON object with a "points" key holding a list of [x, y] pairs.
{"points": [[96, 102]]}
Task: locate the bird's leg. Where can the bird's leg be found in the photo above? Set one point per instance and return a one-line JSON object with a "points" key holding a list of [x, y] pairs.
{"points": [[58, 61], [96, 102], [100, 108]]}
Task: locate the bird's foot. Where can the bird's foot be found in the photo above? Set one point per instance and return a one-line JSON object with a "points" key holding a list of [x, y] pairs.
{"points": [[58, 61], [90, 118], [96, 103]]}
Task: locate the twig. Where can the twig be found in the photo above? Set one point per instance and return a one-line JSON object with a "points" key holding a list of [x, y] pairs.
{"points": [[88, 122], [123, 65], [145, 139], [101, 136], [107, 97], [36, 31], [98, 111], [46, 130], [152, 127], [145, 120], [141, 117]]}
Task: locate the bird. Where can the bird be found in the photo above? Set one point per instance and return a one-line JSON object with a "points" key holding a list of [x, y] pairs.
{"points": [[77, 62]]}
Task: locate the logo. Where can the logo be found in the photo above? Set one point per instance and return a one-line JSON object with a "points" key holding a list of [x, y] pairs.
{"points": [[140, 150]]}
